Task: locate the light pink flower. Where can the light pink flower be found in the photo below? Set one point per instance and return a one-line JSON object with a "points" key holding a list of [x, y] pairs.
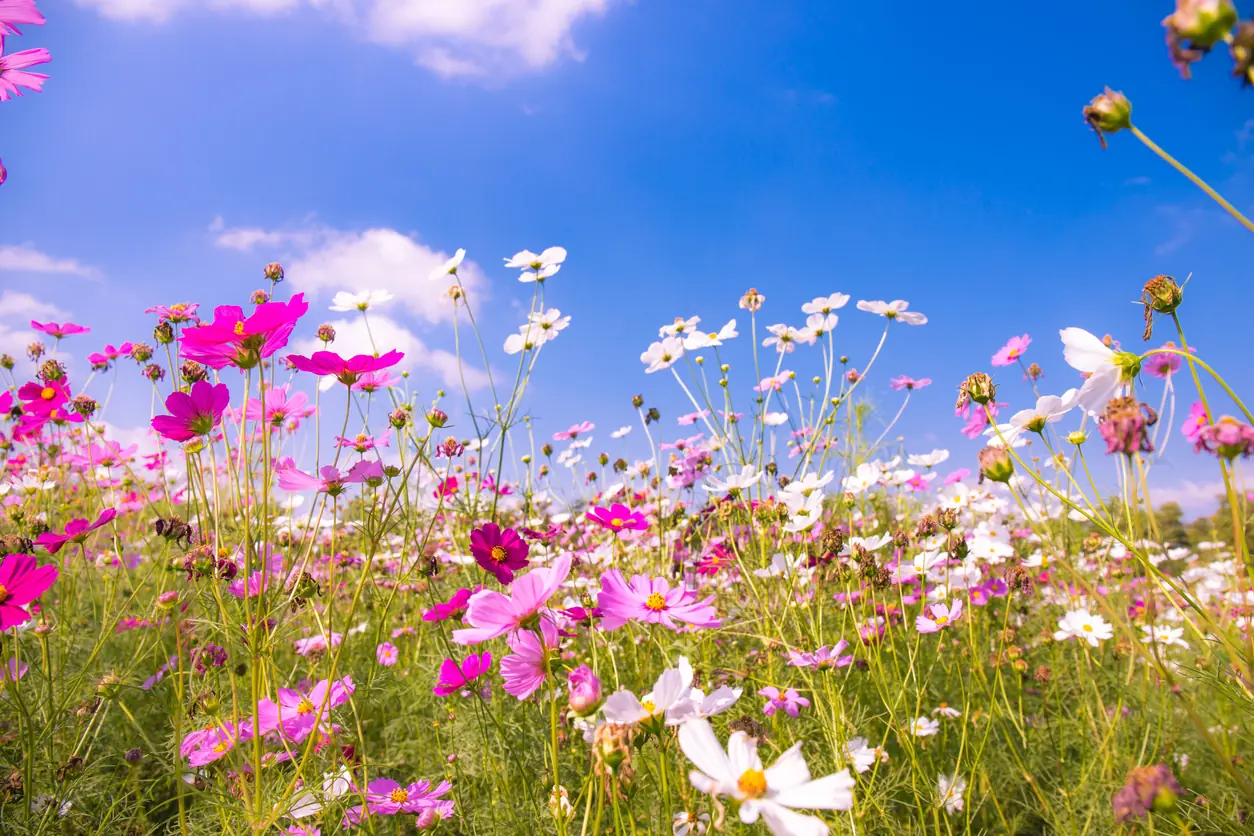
{"points": [[1012, 350], [651, 601], [493, 614], [526, 668], [942, 616]]}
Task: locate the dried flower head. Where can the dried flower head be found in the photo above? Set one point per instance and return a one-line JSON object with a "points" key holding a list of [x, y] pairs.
{"points": [[752, 300], [1161, 295]]}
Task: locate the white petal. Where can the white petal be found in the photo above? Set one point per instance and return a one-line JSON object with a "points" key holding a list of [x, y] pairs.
{"points": [[789, 771], [833, 792], [701, 746], [784, 822], [1083, 351]]}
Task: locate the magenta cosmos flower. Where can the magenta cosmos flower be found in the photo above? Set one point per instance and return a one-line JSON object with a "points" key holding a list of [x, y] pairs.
{"points": [[13, 12], [44, 399], [21, 582], [618, 517], [493, 614], [1012, 350], [455, 677], [280, 407], [329, 479], [194, 413], [177, 313], [789, 700], [233, 339], [386, 654], [59, 329], [385, 797], [298, 714], [651, 601], [76, 531], [454, 607], [13, 73], [324, 363], [499, 550]]}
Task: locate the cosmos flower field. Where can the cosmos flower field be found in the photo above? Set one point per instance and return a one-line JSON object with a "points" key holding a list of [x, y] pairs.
{"points": [[319, 598]]}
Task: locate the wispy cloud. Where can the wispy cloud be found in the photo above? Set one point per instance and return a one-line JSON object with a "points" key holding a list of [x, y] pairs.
{"points": [[455, 38], [24, 258], [1184, 225], [17, 306], [1140, 180]]}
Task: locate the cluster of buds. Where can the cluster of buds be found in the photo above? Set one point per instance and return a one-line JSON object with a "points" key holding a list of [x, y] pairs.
{"points": [[1161, 295], [1124, 424]]}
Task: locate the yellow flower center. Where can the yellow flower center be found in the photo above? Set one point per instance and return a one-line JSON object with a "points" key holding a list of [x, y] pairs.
{"points": [[4, 594], [752, 784], [1088, 628], [305, 707], [617, 521], [942, 619], [222, 746], [655, 602], [713, 335], [239, 328], [497, 553], [47, 393], [648, 706], [179, 308], [399, 795]]}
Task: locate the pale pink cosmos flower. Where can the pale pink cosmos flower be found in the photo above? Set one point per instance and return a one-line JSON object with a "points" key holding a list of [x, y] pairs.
{"points": [[651, 601], [1011, 351], [493, 614], [790, 701], [908, 383], [386, 654], [525, 670], [316, 644], [942, 616]]}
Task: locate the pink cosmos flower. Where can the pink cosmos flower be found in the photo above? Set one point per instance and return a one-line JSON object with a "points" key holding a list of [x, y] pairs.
{"points": [[447, 487], [957, 476], [1012, 350], [12, 672], [233, 339], [385, 797], [102, 359], [454, 607], [574, 431], [651, 601], [909, 383], [76, 531], [499, 550], [1192, 426], [299, 714], [386, 654], [46, 399], [329, 480], [13, 73], [1228, 438], [211, 745], [493, 614], [455, 677], [942, 616], [526, 668], [374, 381], [317, 644], [281, 406], [789, 700], [4, 173], [57, 329], [21, 582], [323, 363], [13, 12], [618, 517], [692, 417], [193, 414], [824, 657], [177, 313]]}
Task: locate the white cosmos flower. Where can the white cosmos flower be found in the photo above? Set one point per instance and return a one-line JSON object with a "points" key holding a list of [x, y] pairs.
{"points": [[896, 309], [927, 459], [550, 321], [1049, 410], [537, 267], [825, 304], [448, 268], [746, 478], [528, 337], [860, 480], [1081, 624], [804, 510], [784, 338], [620, 432], [680, 327], [698, 340], [1165, 635], [663, 354], [772, 794], [819, 324], [698, 706], [673, 687], [774, 419], [1104, 367], [949, 792], [864, 756], [809, 483], [923, 727], [345, 301]]}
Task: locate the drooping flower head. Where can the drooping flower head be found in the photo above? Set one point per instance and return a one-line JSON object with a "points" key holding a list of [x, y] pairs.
{"points": [[456, 677]]}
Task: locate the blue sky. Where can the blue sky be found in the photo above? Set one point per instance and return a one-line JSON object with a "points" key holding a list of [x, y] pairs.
{"points": [[681, 152]]}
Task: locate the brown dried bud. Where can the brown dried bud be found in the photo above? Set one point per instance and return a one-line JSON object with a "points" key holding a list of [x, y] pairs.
{"points": [[35, 350], [141, 352], [84, 405], [1161, 295], [51, 370], [274, 272], [977, 388]]}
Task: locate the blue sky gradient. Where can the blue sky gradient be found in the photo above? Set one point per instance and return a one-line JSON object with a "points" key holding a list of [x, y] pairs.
{"points": [[682, 152]]}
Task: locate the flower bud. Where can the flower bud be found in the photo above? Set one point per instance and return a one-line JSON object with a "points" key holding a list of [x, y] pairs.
{"points": [[51, 370], [585, 691], [437, 418], [133, 756], [398, 418], [154, 372], [259, 297], [1161, 295], [274, 272], [163, 333], [637, 401], [108, 686], [35, 350], [326, 333], [611, 747], [978, 388], [1108, 113], [1228, 438], [1196, 26], [1242, 51], [84, 405], [141, 352], [7, 362], [996, 464], [192, 372]]}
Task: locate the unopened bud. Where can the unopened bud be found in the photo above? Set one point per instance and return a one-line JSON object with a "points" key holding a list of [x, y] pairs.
{"points": [[326, 333], [274, 272], [1161, 295], [996, 464], [1108, 113]]}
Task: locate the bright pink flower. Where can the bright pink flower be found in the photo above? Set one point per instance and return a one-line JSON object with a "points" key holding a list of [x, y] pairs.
{"points": [[526, 668], [178, 313], [455, 607], [1012, 350], [942, 616], [233, 339], [324, 363], [59, 330], [76, 531], [385, 797], [329, 480], [789, 700], [101, 360], [193, 414], [447, 487], [1228, 438], [13, 74], [12, 672], [298, 714], [651, 601], [618, 517], [493, 614], [499, 550], [455, 677], [318, 643], [211, 745], [903, 382], [13, 12], [45, 399], [386, 654], [573, 432], [21, 582], [1192, 426], [584, 689], [824, 657], [692, 417]]}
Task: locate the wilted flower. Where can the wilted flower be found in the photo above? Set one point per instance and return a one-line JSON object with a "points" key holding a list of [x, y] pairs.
{"points": [[1124, 424]]}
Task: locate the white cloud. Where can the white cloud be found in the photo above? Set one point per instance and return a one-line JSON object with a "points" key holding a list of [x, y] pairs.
{"points": [[448, 37], [324, 261], [386, 334], [24, 258], [22, 306], [13, 341], [1199, 497]]}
